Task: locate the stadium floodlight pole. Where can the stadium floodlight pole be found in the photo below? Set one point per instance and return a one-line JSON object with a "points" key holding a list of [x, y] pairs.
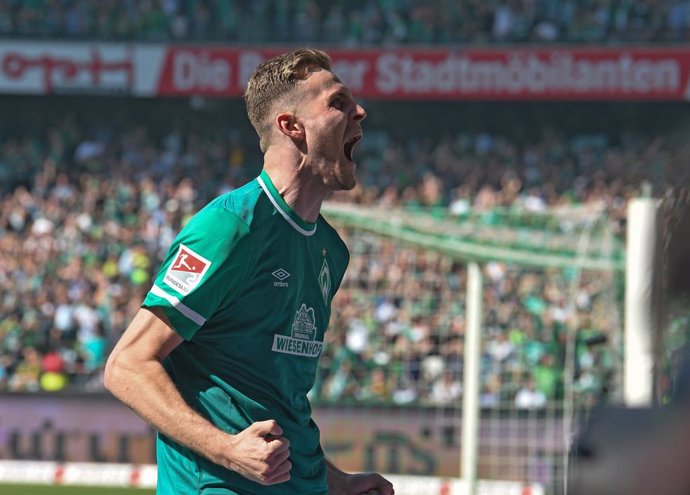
{"points": [[640, 294], [470, 406]]}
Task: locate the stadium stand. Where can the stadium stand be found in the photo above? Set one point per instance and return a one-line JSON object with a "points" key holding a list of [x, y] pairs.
{"points": [[99, 169], [361, 22], [86, 216]]}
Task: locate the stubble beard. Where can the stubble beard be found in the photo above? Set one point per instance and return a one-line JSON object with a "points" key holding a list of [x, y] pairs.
{"points": [[336, 172], [344, 176], [336, 175]]}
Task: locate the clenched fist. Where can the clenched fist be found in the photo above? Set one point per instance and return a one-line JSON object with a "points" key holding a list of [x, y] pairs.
{"points": [[260, 453]]}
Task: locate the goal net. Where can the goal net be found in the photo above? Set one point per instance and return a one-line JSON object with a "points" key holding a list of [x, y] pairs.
{"points": [[391, 387]]}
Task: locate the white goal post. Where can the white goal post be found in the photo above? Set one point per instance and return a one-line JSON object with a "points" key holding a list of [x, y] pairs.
{"points": [[641, 298]]}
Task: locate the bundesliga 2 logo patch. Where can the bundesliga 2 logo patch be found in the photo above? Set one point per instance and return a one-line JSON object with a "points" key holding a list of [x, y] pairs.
{"points": [[186, 270]]}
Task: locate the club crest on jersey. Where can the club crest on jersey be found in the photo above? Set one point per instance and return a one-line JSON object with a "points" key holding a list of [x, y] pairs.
{"points": [[186, 270], [325, 281], [302, 340]]}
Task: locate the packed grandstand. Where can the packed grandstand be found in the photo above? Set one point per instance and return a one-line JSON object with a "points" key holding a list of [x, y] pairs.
{"points": [[526, 123], [90, 205], [92, 198], [360, 22]]}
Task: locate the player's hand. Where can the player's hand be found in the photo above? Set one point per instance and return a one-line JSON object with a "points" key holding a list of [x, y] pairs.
{"points": [[260, 453], [367, 484]]}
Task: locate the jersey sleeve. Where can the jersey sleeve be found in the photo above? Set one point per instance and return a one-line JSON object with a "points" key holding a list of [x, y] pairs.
{"points": [[203, 269]]}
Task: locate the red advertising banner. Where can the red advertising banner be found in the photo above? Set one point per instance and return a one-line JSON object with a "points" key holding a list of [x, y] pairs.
{"points": [[506, 74]]}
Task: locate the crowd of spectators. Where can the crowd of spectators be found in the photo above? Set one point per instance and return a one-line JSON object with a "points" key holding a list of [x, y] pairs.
{"points": [[399, 325], [351, 22], [87, 215]]}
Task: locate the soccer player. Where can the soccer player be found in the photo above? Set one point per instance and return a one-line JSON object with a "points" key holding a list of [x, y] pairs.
{"points": [[224, 350]]}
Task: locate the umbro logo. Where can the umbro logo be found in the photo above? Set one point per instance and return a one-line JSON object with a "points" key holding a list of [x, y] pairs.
{"points": [[281, 274]]}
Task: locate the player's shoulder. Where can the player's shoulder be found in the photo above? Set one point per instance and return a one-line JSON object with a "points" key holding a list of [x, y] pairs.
{"points": [[238, 204]]}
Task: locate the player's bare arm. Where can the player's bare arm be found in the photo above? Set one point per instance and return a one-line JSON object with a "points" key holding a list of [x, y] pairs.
{"points": [[134, 374], [342, 483]]}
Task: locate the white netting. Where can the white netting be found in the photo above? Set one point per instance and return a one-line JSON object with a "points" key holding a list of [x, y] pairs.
{"points": [[549, 352]]}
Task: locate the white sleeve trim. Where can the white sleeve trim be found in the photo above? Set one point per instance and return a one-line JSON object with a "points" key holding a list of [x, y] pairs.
{"points": [[179, 305]]}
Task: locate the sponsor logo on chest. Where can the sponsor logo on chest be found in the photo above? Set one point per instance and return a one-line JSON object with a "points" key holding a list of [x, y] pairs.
{"points": [[186, 270], [280, 274], [302, 340]]}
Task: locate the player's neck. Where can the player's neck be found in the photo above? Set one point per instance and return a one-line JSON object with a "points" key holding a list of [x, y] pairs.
{"points": [[296, 189]]}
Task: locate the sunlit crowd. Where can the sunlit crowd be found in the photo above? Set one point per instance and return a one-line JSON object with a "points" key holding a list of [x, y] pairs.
{"points": [[352, 23], [85, 222]]}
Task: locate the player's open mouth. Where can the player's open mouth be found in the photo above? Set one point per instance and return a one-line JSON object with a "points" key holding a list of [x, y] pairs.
{"points": [[350, 146]]}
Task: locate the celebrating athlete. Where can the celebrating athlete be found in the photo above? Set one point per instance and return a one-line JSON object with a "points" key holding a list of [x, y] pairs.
{"points": [[224, 350]]}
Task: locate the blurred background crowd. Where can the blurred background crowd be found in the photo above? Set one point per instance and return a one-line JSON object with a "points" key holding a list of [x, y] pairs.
{"points": [[91, 195], [580, 106], [90, 204], [352, 22]]}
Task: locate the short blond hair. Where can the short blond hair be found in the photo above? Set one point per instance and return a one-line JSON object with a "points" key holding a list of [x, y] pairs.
{"points": [[275, 79]]}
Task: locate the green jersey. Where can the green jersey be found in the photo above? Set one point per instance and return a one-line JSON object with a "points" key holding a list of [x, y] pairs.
{"points": [[248, 285]]}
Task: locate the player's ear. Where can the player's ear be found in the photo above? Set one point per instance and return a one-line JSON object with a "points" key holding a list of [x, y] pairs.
{"points": [[289, 125]]}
